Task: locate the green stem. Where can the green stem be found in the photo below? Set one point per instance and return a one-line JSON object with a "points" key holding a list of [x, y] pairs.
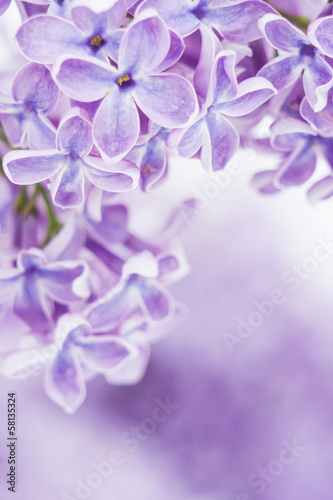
{"points": [[3, 137], [26, 207], [54, 224]]}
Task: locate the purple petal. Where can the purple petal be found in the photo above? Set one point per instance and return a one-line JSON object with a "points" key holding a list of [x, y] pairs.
{"points": [[111, 48], [102, 353], [9, 284], [327, 149], [264, 182], [287, 133], [31, 259], [84, 80], [65, 281], [168, 100], [176, 13], [116, 126], [282, 71], [177, 47], [106, 313], [34, 85], [67, 188], [223, 142], [281, 34], [321, 190], [223, 85], [41, 133], [317, 80], [152, 165], [237, 22], [116, 177], [155, 300], [31, 305], [202, 75], [75, 134], [136, 54], [14, 130], [30, 167], [298, 167], [251, 94], [191, 141], [133, 368], [64, 382], [321, 121], [4, 4], [86, 20], [115, 16], [112, 227], [45, 38], [320, 34]]}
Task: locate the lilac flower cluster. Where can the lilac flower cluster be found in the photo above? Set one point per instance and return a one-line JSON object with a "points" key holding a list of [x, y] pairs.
{"points": [[104, 93]]}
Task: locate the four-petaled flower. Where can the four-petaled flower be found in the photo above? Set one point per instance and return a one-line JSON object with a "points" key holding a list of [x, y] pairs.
{"points": [[298, 55], [68, 165], [23, 117], [36, 284]]}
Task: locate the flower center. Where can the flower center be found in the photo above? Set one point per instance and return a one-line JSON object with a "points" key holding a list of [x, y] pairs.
{"points": [[308, 51], [96, 42], [124, 81]]}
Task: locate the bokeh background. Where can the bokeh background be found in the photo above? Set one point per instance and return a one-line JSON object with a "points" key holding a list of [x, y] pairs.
{"points": [[235, 411]]}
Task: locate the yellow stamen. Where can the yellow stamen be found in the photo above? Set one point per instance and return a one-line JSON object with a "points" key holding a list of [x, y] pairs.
{"points": [[96, 42], [123, 79]]}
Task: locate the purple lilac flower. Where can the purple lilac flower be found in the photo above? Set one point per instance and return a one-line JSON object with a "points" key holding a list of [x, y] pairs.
{"points": [[300, 145], [23, 116], [297, 56], [68, 165], [168, 100], [45, 38], [36, 284], [236, 21], [221, 97]]}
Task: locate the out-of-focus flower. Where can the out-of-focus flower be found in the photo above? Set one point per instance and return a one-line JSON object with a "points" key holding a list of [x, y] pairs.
{"points": [[298, 55], [300, 146], [4, 4], [36, 284]]}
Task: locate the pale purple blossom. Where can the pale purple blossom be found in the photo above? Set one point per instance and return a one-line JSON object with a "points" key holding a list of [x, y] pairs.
{"points": [[297, 55], [45, 38], [36, 284], [70, 164]]}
